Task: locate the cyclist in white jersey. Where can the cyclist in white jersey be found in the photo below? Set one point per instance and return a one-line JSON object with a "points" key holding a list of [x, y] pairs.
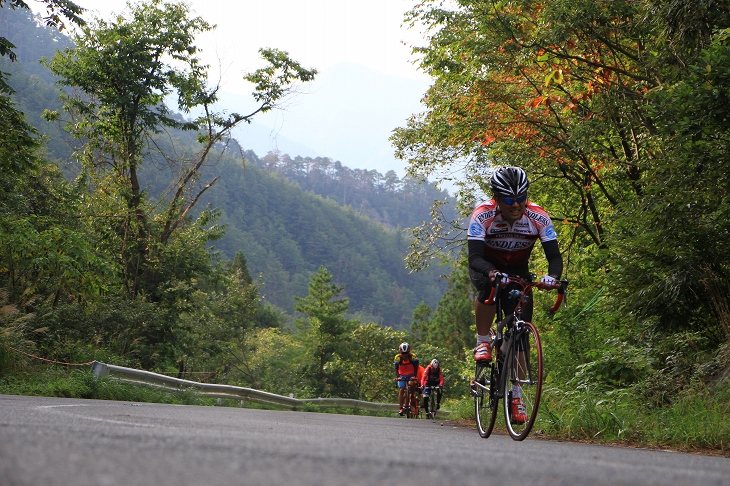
{"points": [[502, 233]]}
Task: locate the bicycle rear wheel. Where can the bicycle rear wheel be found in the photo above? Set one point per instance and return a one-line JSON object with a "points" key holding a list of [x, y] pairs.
{"points": [[411, 402], [415, 406], [485, 405], [523, 368]]}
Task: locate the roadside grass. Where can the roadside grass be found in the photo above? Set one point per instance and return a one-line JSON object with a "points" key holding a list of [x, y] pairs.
{"points": [[58, 382], [696, 421]]}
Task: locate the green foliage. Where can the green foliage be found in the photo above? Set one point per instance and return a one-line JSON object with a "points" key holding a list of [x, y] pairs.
{"points": [[268, 360], [620, 365], [18, 142], [273, 81], [81, 383], [322, 332], [367, 362], [451, 326]]}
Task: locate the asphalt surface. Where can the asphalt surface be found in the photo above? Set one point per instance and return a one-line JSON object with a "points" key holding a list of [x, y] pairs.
{"points": [[55, 441]]}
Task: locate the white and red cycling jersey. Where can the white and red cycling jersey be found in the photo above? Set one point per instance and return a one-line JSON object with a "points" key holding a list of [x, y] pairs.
{"points": [[509, 245]]}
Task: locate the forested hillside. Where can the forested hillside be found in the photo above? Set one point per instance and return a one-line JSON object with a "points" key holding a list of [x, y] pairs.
{"points": [[386, 198], [270, 207], [33, 83], [286, 233]]}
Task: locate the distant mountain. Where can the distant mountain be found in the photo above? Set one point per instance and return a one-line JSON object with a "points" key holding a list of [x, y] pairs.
{"points": [[335, 118], [262, 140]]}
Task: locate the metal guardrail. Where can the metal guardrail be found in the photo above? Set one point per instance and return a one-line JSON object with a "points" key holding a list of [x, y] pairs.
{"points": [[131, 375]]}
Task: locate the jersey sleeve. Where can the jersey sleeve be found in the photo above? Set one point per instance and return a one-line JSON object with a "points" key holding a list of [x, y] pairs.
{"points": [[477, 230]]}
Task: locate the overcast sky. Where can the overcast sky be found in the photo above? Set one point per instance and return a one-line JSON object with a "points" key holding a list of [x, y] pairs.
{"points": [[367, 85]]}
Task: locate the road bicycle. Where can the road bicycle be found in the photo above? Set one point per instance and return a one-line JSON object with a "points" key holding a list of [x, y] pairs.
{"points": [[432, 391], [518, 363], [411, 403]]}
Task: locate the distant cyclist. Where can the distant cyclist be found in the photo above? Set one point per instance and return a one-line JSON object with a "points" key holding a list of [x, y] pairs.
{"points": [[433, 375], [406, 367], [502, 233]]}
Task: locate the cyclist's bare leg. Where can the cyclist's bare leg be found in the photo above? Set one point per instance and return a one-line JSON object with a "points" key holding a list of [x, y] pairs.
{"points": [[484, 317], [401, 397]]}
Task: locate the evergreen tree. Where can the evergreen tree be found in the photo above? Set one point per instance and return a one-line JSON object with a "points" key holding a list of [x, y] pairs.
{"points": [[451, 325], [323, 330]]}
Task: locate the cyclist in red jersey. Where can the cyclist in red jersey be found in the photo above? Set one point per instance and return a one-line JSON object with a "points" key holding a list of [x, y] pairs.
{"points": [[433, 375], [406, 367], [502, 233]]}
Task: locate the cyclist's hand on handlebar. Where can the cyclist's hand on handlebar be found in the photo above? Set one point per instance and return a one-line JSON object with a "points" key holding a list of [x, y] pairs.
{"points": [[496, 277], [549, 281]]}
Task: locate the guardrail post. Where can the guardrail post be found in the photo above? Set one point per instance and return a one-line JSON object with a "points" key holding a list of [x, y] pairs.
{"points": [[99, 369]]}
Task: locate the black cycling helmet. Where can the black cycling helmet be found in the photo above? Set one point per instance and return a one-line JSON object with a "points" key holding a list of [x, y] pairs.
{"points": [[509, 181]]}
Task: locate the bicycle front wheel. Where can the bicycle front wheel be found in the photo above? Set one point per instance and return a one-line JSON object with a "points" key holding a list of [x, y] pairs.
{"points": [[523, 368], [432, 403], [485, 405]]}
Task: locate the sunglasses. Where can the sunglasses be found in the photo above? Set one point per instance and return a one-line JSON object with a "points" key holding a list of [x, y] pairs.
{"points": [[509, 201]]}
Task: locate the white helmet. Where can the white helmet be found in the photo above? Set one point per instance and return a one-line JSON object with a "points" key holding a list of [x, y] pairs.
{"points": [[405, 347], [435, 364]]}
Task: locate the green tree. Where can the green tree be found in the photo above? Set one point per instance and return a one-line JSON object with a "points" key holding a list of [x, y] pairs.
{"points": [[367, 362], [451, 327], [422, 316], [682, 216], [241, 268], [323, 331], [122, 72]]}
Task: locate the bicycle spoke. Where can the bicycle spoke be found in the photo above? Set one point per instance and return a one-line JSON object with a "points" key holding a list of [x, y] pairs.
{"points": [[485, 405]]}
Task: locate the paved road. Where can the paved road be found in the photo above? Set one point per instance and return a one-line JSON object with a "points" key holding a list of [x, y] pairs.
{"points": [[68, 442]]}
